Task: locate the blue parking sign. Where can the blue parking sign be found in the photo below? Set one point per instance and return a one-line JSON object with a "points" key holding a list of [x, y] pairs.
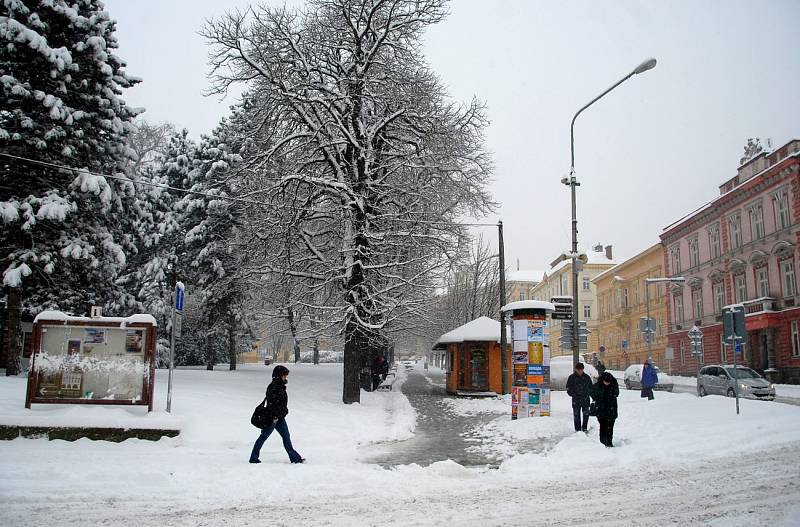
{"points": [[738, 348], [179, 297]]}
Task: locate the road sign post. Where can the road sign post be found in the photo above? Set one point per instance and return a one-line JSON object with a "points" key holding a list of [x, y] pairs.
{"points": [[734, 331], [177, 315]]}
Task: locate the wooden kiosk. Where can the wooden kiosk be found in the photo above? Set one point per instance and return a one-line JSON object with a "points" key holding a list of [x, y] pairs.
{"points": [[92, 360], [472, 358]]}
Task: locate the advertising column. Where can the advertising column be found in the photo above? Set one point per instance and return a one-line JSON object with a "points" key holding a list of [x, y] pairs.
{"points": [[530, 392]]}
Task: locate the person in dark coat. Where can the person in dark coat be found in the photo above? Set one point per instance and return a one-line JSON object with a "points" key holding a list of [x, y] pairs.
{"points": [[600, 367], [649, 380], [380, 369], [605, 394], [277, 407], [579, 387]]}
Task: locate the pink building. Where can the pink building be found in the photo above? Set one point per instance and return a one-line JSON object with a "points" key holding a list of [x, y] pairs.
{"points": [[741, 248]]}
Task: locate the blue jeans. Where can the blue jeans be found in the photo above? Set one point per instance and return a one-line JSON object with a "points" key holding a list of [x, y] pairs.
{"points": [[283, 430], [577, 408]]}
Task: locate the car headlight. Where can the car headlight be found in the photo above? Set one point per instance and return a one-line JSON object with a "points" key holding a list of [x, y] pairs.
{"points": [[744, 386], [771, 386]]}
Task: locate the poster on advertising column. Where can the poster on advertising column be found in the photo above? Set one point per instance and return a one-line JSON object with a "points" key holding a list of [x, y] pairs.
{"points": [[531, 364]]}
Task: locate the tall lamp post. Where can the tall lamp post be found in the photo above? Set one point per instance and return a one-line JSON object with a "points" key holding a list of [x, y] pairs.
{"points": [[572, 182]]}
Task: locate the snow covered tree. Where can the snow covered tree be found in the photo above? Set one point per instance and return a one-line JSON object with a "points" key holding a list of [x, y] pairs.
{"points": [[357, 136], [60, 103], [211, 222], [752, 148]]}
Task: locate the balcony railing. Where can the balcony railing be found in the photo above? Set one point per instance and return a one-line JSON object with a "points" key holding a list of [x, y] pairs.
{"points": [[758, 305]]}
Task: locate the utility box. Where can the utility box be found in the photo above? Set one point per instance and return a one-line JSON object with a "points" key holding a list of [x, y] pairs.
{"points": [[92, 360]]}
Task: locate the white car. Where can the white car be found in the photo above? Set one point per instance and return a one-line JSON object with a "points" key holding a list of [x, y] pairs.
{"points": [[633, 378], [407, 363], [561, 368]]}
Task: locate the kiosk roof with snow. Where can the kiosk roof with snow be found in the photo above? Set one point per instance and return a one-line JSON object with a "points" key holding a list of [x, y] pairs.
{"points": [[528, 304], [483, 329]]}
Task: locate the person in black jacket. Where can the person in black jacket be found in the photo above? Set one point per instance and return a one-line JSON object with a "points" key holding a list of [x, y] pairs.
{"points": [[380, 369], [605, 394], [277, 407], [579, 387]]}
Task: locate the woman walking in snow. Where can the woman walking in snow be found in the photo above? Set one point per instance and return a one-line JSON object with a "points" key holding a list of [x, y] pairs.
{"points": [[277, 407], [649, 380], [605, 393]]}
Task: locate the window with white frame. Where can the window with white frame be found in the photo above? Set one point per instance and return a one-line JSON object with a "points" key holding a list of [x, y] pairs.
{"points": [[697, 303], [762, 281], [780, 204], [719, 296], [713, 241], [795, 339], [522, 295], [675, 259], [587, 311], [788, 277], [740, 288], [757, 221], [722, 358], [678, 303], [735, 228], [586, 283], [694, 251], [683, 353], [625, 297]]}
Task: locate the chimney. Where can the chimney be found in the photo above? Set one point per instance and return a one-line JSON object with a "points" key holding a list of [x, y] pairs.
{"points": [[517, 264], [609, 254]]}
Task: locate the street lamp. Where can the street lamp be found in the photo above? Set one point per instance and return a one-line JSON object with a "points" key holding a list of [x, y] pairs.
{"points": [[572, 182]]}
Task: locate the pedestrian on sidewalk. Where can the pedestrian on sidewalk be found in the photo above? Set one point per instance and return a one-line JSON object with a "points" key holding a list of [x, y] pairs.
{"points": [[579, 387], [605, 394], [649, 380], [380, 369], [278, 408], [600, 367]]}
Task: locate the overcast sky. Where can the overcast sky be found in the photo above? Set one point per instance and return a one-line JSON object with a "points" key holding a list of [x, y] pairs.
{"points": [[651, 151]]}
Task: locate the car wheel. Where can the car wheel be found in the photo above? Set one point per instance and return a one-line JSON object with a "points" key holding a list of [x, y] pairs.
{"points": [[702, 391], [731, 393], [628, 384]]}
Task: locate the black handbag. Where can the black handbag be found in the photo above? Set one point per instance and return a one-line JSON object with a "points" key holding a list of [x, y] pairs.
{"points": [[593, 410], [261, 417]]}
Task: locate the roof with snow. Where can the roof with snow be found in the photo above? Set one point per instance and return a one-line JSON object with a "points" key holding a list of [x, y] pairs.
{"points": [[59, 316], [528, 304], [483, 329], [525, 275]]}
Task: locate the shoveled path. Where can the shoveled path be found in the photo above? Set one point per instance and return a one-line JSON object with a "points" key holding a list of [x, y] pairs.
{"points": [[440, 434]]}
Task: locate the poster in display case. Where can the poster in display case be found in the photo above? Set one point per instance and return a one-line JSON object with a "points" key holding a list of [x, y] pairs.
{"points": [[98, 360]]}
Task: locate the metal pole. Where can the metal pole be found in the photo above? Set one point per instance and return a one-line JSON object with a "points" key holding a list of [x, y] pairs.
{"points": [[503, 337], [641, 68], [647, 334], [735, 378], [171, 355]]}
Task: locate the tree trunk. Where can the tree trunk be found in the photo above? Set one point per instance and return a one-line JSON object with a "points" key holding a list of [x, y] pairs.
{"points": [[355, 341], [14, 348], [316, 350], [232, 341], [210, 359], [293, 329]]}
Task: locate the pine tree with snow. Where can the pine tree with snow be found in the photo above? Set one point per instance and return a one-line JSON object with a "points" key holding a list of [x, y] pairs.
{"points": [[211, 222], [60, 102]]}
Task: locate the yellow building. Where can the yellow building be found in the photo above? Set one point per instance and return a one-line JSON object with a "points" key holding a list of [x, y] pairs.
{"points": [[558, 282], [621, 299], [520, 284]]}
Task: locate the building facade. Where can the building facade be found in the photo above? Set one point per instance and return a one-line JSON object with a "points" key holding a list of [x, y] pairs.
{"points": [[520, 284], [741, 248], [622, 302], [558, 282]]}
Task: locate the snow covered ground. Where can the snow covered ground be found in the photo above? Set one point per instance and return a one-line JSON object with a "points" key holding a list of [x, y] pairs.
{"points": [[678, 459]]}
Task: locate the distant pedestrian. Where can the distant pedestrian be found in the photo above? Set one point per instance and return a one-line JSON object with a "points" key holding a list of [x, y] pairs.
{"points": [[380, 369], [649, 380], [605, 394], [579, 387], [277, 407], [600, 367]]}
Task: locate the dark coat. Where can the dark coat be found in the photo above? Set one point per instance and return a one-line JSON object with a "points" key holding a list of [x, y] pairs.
{"points": [[380, 368], [605, 398], [277, 400], [579, 388]]}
